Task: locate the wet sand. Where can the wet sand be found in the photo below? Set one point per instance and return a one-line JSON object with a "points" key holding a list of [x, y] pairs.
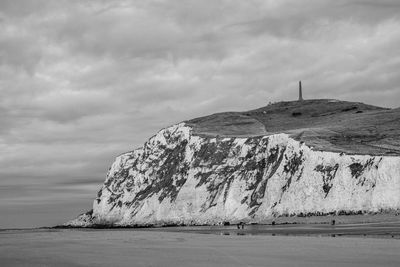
{"points": [[375, 229], [168, 247]]}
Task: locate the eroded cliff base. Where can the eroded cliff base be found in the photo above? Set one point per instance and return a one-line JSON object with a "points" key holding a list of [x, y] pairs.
{"points": [[342, 218]]}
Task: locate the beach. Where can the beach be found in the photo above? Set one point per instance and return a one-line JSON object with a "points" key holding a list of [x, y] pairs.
{"points": [[169, 247]]}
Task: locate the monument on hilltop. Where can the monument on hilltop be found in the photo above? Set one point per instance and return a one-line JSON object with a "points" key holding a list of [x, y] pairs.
{"points": [[300, 92]]}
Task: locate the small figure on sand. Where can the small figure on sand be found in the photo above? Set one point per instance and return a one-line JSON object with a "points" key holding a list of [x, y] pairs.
{"points": [[240, 225]]}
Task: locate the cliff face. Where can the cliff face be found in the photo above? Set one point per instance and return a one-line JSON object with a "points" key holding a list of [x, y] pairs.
{"points": [[180, 177]]}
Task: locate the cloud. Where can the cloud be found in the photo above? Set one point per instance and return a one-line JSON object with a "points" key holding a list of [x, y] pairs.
{"points": [[83, 81]]}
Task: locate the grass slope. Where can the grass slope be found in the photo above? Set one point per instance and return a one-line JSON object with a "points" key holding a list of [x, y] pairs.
{"points": [[324, 124]]}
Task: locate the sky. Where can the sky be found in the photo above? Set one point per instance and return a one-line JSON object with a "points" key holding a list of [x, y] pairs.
{"points": [[84, 81]]}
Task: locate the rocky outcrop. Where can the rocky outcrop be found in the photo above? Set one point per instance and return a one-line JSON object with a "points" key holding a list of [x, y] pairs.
{"points": [[180, 177]]}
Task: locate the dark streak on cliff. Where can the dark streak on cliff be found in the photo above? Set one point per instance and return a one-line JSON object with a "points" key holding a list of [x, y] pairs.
{"points": [[328, 174], [271, 164], [291, 167]]}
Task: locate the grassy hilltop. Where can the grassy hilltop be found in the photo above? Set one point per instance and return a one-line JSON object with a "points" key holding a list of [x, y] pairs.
{"points": [[324, 124]]}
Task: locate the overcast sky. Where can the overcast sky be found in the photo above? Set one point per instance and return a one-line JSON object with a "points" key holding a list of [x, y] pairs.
{"points": [[83, 81]]}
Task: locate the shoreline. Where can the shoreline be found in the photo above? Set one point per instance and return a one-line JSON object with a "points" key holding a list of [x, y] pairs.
{"points": [[382, 225], [380, 230]]}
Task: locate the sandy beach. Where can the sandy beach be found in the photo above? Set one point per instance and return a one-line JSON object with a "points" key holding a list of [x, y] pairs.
{"points": [[157, 247]]}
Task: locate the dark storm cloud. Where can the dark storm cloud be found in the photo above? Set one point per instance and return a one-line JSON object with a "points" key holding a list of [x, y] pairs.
{"points": [[83, 81]]}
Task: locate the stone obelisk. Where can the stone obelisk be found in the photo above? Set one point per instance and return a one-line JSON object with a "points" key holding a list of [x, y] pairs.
{"points": [[300, 92]]}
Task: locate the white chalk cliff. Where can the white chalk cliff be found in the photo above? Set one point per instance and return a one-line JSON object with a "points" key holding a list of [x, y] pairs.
{"points": [[181, 177]]}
